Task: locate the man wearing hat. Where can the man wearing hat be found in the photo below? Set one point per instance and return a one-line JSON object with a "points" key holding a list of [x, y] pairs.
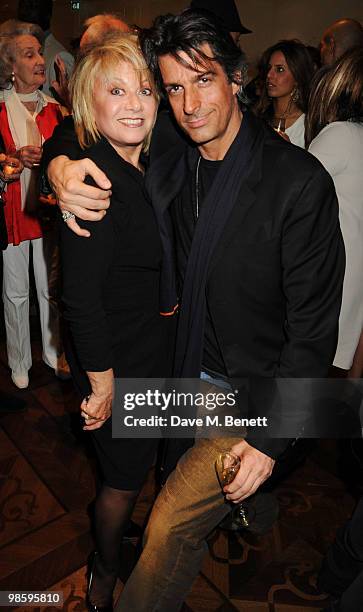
{"points": [[227, 13]]}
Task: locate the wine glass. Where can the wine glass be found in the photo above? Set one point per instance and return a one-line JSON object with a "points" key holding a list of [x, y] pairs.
{"points": [[279, 125], [227, 465], [9, 166]]}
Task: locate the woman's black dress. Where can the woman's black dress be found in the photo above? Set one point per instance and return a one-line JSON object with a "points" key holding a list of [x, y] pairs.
{"points": [[111, 298]]}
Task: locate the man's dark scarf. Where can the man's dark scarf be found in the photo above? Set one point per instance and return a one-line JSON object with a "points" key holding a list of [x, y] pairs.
{"points": [[215, 212]]}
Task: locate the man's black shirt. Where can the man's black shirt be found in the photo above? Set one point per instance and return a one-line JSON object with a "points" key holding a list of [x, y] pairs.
{"points": [[184, 215]]}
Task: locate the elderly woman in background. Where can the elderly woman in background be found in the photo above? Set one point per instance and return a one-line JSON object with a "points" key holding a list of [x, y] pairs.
{"points": [[111, 284], [334, 134], [27, 118], [285, 70]]}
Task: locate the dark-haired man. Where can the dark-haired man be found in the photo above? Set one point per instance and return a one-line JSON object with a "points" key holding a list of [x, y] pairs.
{"points": [[261, 262]]}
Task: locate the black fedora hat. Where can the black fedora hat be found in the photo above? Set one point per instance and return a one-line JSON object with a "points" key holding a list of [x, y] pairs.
{"points": [[226, 10]]}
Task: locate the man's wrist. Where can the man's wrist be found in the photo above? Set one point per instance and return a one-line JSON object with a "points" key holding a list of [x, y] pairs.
{"points": [[54, 163]]}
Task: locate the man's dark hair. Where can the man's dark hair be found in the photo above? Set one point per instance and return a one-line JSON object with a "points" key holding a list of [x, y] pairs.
{"points": [[36, 11], [188, 32]]}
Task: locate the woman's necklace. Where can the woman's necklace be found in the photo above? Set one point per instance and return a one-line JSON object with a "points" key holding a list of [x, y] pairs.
{"points": [[279, 121], [28, 97]]}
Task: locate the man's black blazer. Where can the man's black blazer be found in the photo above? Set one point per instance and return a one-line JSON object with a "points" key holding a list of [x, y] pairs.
{"points": [[275, 279]]}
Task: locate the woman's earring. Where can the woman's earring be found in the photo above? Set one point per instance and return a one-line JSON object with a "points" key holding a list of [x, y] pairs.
{"points": [[13, 77], [295, 94]]}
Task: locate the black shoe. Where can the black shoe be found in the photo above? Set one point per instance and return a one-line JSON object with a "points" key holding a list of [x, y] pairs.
{"points": [[9, 404], [338, 569], [133, 531], [92, 607]]}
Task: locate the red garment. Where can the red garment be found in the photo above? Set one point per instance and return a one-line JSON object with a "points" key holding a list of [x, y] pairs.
{"points": [[21, 224]]}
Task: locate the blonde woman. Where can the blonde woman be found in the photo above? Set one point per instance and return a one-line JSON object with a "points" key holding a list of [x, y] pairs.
{"points": [[334, 134], [111, 283]]}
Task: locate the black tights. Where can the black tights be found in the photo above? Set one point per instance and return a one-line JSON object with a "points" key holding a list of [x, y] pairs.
{"points": [[113, 510]]}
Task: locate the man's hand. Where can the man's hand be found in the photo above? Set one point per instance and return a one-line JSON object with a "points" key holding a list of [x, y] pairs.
{"points": [[67, 180], [254, 470]]}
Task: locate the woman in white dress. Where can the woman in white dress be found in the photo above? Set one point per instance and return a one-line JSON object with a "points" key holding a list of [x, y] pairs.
{"points": [[334, 134], [286, 70]]}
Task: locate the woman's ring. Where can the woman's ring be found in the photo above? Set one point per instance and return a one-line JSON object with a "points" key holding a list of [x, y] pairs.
{"points": [[66, 215]]}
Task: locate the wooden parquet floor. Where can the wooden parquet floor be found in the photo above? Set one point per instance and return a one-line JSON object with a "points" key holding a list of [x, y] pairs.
{"points": [[47, 482]]}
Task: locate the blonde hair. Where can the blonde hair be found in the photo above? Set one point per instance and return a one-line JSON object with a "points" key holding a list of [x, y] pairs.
{"points": [[336, 94], [101, 62]]}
